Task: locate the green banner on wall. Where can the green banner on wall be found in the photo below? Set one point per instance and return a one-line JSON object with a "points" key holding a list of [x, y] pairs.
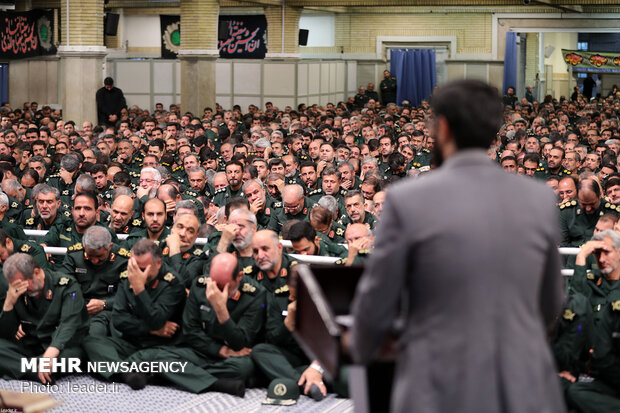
{"points": [[583, 61]]}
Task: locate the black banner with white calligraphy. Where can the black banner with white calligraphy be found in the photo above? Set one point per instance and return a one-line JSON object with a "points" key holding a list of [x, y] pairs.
{"points": [[246, 37], [26, 34]]}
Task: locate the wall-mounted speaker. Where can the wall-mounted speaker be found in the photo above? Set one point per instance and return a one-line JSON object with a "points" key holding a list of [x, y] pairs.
{"points": [[303, 37], [111, 24]]}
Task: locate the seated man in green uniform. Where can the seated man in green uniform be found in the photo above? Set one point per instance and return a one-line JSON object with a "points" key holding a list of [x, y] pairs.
{"points": [[579, 217], [359, 242], [183, 257], [237, 237], [306, 242], [280, 356], [295, 206], [223, 317], [600, 360], [354, 204], [154, 217], [50, 310], [10, 228], [96, 264], [47, 213], [147, 310], [322, 220], [84, 215], [10, 246]]}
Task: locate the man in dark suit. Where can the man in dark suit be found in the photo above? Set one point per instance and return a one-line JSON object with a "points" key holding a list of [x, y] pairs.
{"points": [[481, 282]]}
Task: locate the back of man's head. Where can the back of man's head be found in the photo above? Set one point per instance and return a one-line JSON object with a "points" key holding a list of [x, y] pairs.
{"points": [[473, 111]]}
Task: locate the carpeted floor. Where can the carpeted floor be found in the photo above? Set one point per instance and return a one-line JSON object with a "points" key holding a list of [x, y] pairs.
{"points": [[78, 397]]}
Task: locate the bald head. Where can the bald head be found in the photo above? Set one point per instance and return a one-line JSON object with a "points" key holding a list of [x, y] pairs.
{"points": [[122, 211], [224, 269], [355, 231], [267, 251]]}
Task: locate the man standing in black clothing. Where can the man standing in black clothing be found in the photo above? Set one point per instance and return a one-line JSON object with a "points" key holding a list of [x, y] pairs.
{"points": [[588, 86], [388, 88], [110, 101]]}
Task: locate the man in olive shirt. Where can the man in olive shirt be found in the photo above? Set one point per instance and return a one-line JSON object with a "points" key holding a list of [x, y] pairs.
{"points": [[306, 242], [180, 253], [48, 307], [223, 317], [96, 264], [84, 215], [154, 217], [147, 310], [280, 356]]}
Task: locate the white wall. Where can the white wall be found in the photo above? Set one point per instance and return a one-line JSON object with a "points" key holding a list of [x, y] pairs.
{"points": [[321, 27], [141, 31]]}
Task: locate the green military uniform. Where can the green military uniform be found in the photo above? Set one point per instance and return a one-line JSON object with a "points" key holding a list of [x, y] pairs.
{"points": [[133, 225], [57, 319], [186, 265], [571, 339], [63, 219], [335, 234], [199, 207], [97, 281], [294, 180], [12, 230], [577, 227], [422, 158], [369, 220], [134, 316], [600, 395], [279, 217], [264, 217], [210, 251], [32, 249], [221, 196], [317, 194], [542, 172], [66, 190], [136, 236], [330, 249], [279, 356], [204, 336], [360, 259], [15, 210], [67, 237]]}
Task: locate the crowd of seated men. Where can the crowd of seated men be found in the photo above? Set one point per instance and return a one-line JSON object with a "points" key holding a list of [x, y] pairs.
{"points": [[129, 201]]}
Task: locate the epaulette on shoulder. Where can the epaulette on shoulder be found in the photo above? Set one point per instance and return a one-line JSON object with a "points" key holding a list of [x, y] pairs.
{"points": [[124, 253], [25, 248], [278, 204], [169, 277], [339, 231], [30, 221], [219, 191], [568, 204], [124, 274], [76, 247], [136, 222], [201, 281], [341, 261], [315, 192], [613, 207], [282, 290], [425, 150], [198, 252], [178, 168], [567, 172], [248, 288], [247, 270], [64, 281]]}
